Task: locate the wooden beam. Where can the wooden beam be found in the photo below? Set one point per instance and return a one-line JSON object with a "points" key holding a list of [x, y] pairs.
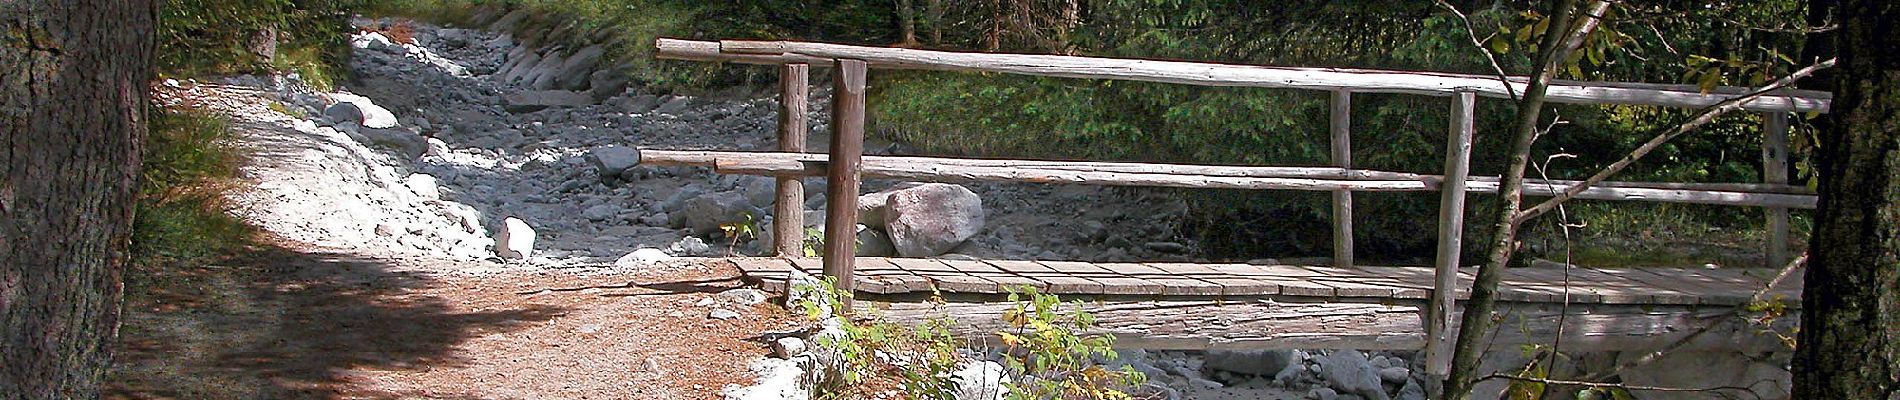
{"points": [[788, 212], [1342, 158], [1212, 176], [1774, 171], [1252, 324], [1212, 74], [1451, 228], [847, 148]]}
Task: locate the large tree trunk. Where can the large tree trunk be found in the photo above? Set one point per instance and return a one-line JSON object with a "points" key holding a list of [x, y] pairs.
{"points": [[1849, 343], [73, 78]]}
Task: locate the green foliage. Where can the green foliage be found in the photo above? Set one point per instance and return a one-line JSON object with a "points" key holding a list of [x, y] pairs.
{"points": [[918, 359], [814, 244], [747, 227], [211, 37], [189, 163], [1043, 347]]}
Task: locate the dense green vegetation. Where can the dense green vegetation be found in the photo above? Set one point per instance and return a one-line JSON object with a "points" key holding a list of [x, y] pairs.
{"points": [[953, 113]]}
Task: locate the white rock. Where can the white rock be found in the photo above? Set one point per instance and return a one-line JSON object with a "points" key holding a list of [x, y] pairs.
{"points": [[423, 185], [788, 347], [743, 296], [369, 114], [722, 314], [980, 380], [515, 240], [778, 380], [642, 257]]}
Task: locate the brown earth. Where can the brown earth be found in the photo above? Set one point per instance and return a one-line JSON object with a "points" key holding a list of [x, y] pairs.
{"points": [[293, 322]]}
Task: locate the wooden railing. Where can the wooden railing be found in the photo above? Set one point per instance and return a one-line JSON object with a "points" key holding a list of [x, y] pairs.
{"points": [[846, 165]]}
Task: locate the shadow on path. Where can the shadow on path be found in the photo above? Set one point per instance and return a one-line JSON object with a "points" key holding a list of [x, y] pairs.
{"points": [[287, 324]]}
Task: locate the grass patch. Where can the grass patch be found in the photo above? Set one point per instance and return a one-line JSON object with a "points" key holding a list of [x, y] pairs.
{"points": [[190, 162]]}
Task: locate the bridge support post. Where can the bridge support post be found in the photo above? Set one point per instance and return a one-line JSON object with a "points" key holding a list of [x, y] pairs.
{"points": [[1342, 157], [1439, 335], [788, 212], [1774, 170], [847, 150]]}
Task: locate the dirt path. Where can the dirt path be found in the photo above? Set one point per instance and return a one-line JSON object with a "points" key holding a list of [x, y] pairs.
{"points": [[290, 322]]}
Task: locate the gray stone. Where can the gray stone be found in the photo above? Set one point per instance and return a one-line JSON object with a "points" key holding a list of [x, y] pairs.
{"points": [[607, 83], [874, 243], [1322, 394], [722, 314], [642, 103], [788, 347], [599, 212], [1394, 374], [1411, 391], [931, 219], [672, 105], [527, 101], [613, 161], [702, 215], [1350, 372], [1250, 362], [1166, 247], [743, 296], [575, 71], [691, 246], [515, 239]]}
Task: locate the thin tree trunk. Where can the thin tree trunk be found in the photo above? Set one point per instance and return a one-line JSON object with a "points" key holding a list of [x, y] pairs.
{"points": [[1477, 318], [1849, 342], [73, 78], [933, 15], [906, 24]]}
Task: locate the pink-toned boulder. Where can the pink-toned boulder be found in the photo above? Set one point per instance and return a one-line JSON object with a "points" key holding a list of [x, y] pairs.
{"points": [[931, 219]]}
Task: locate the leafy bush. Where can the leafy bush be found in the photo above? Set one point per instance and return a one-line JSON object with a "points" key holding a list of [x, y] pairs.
{"points": [[1054, 361], [189, 164], [872, 353]]}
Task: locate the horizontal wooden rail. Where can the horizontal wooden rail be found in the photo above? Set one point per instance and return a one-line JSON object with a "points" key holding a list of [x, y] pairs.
{"points": [[1212, 74], [1215, 177]]}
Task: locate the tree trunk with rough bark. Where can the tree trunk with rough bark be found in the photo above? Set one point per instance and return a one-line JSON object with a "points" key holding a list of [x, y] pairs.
{"points": [[73, 88], [1849, 343]]}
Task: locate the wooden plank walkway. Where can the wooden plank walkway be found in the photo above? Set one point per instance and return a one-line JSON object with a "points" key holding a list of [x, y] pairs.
{"points": [[1368, 284]]}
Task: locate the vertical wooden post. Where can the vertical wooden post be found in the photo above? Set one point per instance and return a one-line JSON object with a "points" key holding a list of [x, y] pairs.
{"points": [[1342, 157], [1774, 167], [1451, 223], [847, 148], [788, 213]]}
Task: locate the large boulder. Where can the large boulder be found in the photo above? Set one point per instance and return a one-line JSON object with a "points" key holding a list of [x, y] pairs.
{"points": [[702, 215], [528, 101], [1250, 362], [1350, 372], [930, 219], [578, 68], [613, 161]]}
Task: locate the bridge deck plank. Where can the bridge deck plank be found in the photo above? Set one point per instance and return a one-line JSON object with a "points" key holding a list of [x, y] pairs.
{"points": [[1367, 284]]}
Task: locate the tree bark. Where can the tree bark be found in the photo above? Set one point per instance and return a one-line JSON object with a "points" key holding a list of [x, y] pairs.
{"points": [[73, 88], [1849, 342]]}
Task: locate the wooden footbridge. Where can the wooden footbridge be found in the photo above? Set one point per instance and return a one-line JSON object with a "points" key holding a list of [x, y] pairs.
{"points": [[1197, 306]]}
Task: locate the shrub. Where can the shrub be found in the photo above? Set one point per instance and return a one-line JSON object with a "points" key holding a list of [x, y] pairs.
{"points": [[189, 164]]}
